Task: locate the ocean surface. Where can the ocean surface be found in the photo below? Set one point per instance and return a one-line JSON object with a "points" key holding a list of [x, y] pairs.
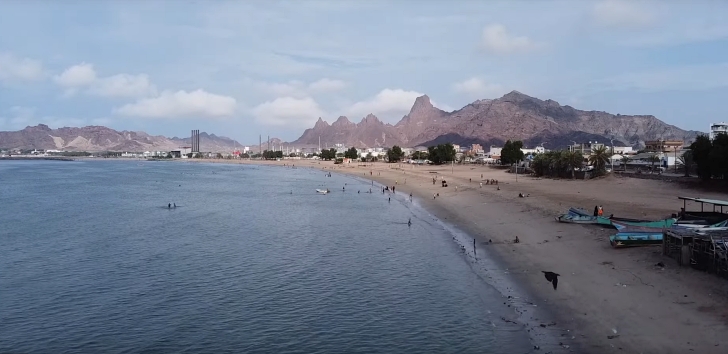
{"points": [[252, 260]]}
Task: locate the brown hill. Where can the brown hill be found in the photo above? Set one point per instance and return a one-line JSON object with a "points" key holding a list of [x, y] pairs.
{"points": [[513, 116], [98, 138]]}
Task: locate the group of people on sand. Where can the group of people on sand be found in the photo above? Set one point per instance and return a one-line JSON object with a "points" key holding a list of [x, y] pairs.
{"points": [[598, 211]]}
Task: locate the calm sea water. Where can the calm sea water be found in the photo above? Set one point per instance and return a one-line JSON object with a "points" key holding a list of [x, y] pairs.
{"points": [[252, 260]]}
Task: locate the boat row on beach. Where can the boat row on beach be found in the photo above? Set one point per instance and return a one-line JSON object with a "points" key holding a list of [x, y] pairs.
{"points": [[637, 232]]}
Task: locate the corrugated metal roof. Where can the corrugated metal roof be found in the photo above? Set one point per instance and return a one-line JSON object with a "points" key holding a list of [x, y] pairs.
{"points": [[704, 200]]}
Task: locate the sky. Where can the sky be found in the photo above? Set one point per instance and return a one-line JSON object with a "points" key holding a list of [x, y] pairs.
{"points": [[247, 68]]}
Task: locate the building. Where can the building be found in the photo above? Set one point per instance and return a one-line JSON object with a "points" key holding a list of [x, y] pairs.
{"points": [[663, 145], [718, 128], [181, 152], [477, 149], [534, 151], [622, 150], [586, 148]]}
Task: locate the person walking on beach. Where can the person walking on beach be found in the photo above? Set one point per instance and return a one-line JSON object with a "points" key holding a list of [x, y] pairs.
{"points": [[474, 247], [410, 197], [596, 210]]}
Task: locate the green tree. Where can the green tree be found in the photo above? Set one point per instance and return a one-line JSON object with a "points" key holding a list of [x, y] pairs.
{"points": [[395, 154], [419, 155], [218, 155], [626, 160], [686, 161], [701, 155], [572, 160], [718, 157], [329, 154], [599, 158], [245, 155], [441, 153], [652, 159], [511, 152], [351, 153]]}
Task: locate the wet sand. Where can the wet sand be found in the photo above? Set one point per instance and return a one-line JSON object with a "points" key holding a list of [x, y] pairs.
{"points": [[608, 300]]}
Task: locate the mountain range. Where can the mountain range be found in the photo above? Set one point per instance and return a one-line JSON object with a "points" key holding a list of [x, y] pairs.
{"points": [[514, 116], [99, 138]]}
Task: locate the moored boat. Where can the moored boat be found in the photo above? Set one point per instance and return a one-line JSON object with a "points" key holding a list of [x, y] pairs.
{"points": [[577, 219], [322, 191]]}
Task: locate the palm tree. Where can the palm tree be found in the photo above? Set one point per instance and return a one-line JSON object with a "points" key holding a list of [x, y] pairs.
{"points": [[686, 160], [572, 161], [625, 160], [599, 158], [652, 159]]}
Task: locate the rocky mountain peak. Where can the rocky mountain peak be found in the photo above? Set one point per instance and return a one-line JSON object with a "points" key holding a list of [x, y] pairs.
{"points": [[320, 123], [342, 121], [422, 104], [369, 119]]}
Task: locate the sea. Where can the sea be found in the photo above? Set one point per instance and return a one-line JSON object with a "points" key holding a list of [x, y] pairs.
{"points": [[251, 260]]}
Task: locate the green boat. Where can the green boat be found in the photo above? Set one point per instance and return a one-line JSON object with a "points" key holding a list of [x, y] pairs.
{"points": [[633, 239], [662, 224]]}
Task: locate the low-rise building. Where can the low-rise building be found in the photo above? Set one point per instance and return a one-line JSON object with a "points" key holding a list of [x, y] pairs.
{"points": [[718, 128], [586, 148], [663, 145]]}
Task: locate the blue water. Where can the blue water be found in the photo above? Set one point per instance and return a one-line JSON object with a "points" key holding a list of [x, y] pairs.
{"points": [[252, 260]]}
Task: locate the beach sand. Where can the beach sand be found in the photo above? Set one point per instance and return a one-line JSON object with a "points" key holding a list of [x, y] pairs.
{"points": [[608, 300]]}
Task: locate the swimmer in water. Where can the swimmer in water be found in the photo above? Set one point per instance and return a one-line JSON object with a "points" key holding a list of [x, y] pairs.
{"points": [[409, 223], [175, 205], [169, 206]]}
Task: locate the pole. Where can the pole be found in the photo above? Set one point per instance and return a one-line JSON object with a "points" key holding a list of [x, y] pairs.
{"points": [[516, 171], [611, 158], [675, 162]]}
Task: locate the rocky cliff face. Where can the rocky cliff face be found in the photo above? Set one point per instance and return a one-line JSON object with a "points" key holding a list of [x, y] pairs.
{"points": [[98, 138], [514, 116]]}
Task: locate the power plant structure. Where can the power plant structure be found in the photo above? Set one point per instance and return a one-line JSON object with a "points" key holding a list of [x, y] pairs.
{"points": [[195, 141]]}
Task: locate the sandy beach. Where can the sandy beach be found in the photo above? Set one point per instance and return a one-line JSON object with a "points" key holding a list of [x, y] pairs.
{"points": [[608, 300]]}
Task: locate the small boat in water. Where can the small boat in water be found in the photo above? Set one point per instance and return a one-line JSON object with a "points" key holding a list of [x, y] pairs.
{"points": [[322, 191]]}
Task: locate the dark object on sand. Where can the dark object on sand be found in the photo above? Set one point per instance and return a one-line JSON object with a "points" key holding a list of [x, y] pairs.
{"points": [[551, 277], [516, 240]]}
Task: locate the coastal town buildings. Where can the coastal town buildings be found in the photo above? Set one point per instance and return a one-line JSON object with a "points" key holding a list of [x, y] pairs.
{"points": [[718, 128], [663, 145]]}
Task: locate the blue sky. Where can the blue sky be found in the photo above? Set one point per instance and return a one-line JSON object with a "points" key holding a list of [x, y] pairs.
{"points": [[244, 68]]}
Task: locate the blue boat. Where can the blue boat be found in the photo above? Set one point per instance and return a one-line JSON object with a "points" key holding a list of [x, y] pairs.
{"points": [[633, 239]]}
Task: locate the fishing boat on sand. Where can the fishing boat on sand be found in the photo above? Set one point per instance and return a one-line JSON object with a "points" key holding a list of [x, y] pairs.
{"points": [[580, 216], [633, 239]]}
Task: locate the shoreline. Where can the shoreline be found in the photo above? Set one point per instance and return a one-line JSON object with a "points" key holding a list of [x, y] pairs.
{"points": [[608, 300]]}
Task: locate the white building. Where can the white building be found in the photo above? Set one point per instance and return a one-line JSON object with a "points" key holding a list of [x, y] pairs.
{"points": [[718, 128], [623, 150]]}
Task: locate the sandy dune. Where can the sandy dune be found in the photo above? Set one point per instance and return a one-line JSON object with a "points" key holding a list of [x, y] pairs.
{"points": [[608, 300]]}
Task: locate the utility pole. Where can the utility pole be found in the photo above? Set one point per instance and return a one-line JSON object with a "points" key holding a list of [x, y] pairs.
{"points": [[675, 162], [611, 156], [260, 145]]}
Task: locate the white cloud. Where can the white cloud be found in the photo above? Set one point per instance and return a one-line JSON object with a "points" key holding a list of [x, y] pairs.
{"points": [[288, 111], [299, 89], [292, 88], [181, 104], [13, 68], [496, 39], [77, 76], [388, 104], [83, 76], [327, 85], [683, 78], [621, 14], [476, 87], [124, 85]]}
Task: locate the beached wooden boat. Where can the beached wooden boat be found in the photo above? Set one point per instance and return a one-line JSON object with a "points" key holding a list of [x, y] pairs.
{"points": [[666, 223], [576, 219], [633, 239]]}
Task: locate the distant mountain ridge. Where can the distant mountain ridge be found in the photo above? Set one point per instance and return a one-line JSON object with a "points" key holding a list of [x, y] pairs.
{"points": [[99, 138], [514, 116]]}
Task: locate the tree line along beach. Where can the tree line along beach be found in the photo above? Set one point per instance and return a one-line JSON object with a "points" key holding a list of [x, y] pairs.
{"points": [[612, 300]]}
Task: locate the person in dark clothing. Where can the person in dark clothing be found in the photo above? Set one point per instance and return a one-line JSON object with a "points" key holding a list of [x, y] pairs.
{"points": [[596, 210]]}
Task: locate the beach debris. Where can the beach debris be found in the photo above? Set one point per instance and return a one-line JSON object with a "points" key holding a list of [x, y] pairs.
{"points": [[660, 264], [551, 277], [614, 336]]}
